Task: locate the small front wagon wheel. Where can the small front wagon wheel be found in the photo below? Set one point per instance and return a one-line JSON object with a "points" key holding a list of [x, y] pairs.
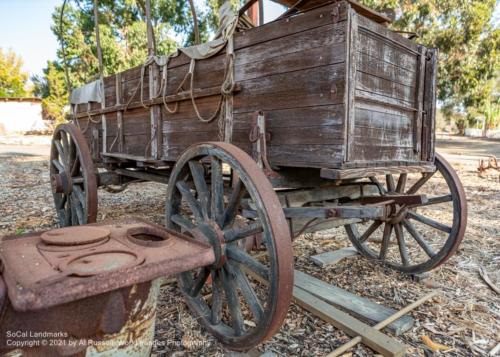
{"points": [[244, 296], [72, 177], [419, 237]]}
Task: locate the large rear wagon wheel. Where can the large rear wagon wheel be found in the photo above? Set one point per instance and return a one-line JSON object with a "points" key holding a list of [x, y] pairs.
{"points": [[73, 177], [244, 296], [419, 237]]}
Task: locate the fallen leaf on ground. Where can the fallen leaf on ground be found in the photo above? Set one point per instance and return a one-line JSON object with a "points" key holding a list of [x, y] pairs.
{"points": [[434, 345]]}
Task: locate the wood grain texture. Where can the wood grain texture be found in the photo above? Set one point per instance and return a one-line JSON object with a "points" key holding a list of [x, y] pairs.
{"points": [[357, 306]]}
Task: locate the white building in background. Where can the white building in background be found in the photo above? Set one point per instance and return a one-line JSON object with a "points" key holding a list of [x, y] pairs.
{"points": [[21, 115]]}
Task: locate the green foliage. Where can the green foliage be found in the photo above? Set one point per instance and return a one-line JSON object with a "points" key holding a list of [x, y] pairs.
{"points": [[52, 88], [123, 40], [12, 78]]}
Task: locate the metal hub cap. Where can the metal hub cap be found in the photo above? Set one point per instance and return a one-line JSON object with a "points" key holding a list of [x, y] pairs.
{"points": [[61, 183]]}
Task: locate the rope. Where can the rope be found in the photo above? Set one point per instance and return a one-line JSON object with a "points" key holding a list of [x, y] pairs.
{"points": [[191, 93]]}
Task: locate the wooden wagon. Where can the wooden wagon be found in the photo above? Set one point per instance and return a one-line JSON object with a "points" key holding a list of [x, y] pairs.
{"points": [[323, 118]]}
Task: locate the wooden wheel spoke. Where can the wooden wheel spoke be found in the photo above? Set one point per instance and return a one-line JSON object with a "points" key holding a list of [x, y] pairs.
{"points": [[74, 217], [232, 302], [77, 209], [69, 147], [386, 239], [234, 202], [60, 151], [422, 181], [247, 291], [75, 167], [418, 238], [198, 174], [61, 202], [373, 227], [437, 200], [429, 222], [182, 221], [58, 165], [403, 249], [199, 282], [79, 194], [217, 191], [66, 145], [236, 233], [61, 214], [378, 184], [401, 183], [248, 261], [190, 200], [391, 186], [217, 296]]}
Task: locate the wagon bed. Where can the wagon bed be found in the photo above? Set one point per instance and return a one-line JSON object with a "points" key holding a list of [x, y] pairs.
{"points": [[339, 91]]}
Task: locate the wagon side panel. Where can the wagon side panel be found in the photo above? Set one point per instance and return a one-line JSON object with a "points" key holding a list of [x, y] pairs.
{"points": [[386, 122], [298, 79]]}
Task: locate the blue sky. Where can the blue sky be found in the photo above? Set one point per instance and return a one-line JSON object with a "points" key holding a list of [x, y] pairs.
{"points": [[25, 28]]}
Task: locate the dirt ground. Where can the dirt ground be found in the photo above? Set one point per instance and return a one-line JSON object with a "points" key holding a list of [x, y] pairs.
{"points": [[465, 316]]}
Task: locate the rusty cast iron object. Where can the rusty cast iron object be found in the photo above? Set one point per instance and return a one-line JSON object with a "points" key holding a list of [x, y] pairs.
{"points": [[88, 282], [33, 271]]}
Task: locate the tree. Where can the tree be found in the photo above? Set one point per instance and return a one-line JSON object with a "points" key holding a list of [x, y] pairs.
{"points": [[12, 78], [122, 30], [52, 88]]}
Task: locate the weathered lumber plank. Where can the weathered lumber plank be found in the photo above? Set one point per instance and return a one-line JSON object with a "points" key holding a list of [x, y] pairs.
{"points": [[382, 152], [343, 321], [318, 86], [378, 47], [370, 83], [336, 174], [330, 258], [357, 306], [381, 69]]}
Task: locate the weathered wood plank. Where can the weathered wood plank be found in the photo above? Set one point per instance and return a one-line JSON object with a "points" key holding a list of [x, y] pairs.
{"points": [[378, 47], [350, 89], [394, 38], [384, 100], [331, 258], [313, 154], [384, 87], [337, 174], [385, 70], [317, 86], [428, 127], [376, 116], [357, 306], [343, 321], [383, 152], [326, 115], [402, 137]]}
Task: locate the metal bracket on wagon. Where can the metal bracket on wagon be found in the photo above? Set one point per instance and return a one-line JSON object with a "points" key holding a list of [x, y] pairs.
{"points": [[259, 137]]}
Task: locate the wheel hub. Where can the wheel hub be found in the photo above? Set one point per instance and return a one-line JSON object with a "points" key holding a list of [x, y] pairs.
{"points": [[61, 183], [210, 233]]}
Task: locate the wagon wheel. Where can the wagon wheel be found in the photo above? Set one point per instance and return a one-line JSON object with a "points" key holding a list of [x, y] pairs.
{"points": [[244, 296], [72, 176], [418, 237]]}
